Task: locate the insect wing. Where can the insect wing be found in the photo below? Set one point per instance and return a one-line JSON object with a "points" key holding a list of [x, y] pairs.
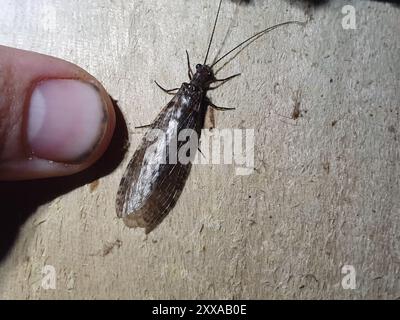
{"points": [[154, 179]]}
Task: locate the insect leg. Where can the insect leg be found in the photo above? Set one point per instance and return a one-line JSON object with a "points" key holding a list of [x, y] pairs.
{"points": [[212, 105], [142, 127], [169, 91], [201, 153], [223, 81], [228, 78], [190, 72]]}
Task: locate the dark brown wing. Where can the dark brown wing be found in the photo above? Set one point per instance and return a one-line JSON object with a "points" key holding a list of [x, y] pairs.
{"points": [[152, 184]]}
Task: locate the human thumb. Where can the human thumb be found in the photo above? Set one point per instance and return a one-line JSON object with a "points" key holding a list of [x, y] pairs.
{"points": [[55, 118]]}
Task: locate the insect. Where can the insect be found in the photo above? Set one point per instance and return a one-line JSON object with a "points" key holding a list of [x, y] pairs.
{"points": [[296, 113], [154, 180]]}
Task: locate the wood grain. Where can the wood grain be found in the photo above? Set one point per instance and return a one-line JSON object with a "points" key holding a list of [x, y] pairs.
{"points": [[325, 192]]}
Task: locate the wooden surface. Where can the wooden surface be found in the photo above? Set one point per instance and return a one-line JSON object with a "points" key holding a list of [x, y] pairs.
{"points": [[325, 192]]}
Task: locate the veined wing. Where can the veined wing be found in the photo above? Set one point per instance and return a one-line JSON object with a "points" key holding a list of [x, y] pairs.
{"points": [[153, 181]]}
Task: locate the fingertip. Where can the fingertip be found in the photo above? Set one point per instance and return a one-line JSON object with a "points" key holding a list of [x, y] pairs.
{"points": [[65, 119]]}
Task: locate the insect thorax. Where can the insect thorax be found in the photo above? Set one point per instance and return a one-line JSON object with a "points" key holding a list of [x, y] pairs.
{"points": [[203, 76]]}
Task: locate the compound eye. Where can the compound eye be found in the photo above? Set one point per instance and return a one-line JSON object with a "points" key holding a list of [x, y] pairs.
{"points": [[198, 66]]}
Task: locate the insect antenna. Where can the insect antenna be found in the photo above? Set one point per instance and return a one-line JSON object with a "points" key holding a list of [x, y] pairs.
{"points": [[213, 31], [255, 37]]}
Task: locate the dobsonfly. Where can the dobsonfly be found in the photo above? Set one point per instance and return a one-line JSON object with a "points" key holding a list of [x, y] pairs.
{"points": [[155, 178]]}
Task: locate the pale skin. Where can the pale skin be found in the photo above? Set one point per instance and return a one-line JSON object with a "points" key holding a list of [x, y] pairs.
{"points": [[46, 131]]}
